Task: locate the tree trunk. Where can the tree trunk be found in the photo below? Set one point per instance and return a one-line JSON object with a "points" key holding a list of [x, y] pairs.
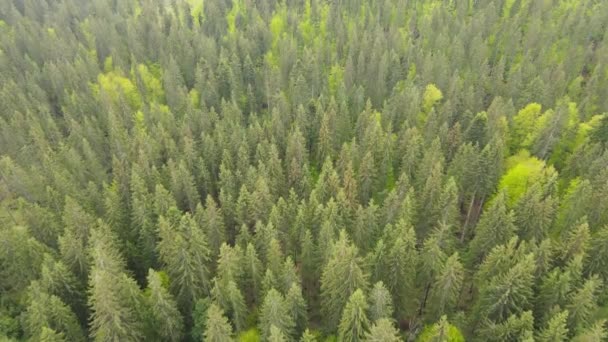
{"points": [[466, 222]]}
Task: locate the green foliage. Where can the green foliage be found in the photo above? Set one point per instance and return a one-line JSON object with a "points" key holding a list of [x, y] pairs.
{"points": [[171, 169], [251, 335], [383, 330], [115, 86], [431, 95], [354, 323], [341, 277], [441, 331], [523, 171], [167, 321], [275, 313], [380, 303], [217, 328]]}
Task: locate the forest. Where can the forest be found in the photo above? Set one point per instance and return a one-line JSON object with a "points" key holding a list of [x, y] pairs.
{"points": [[304, 170]]}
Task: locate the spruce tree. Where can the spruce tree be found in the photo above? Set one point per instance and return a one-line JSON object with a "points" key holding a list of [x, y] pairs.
{"points": [[275, 312], [166, 321], [382, 330], [380, 303], [217, 328], [184, 252], [354, 323], [342, 275]]}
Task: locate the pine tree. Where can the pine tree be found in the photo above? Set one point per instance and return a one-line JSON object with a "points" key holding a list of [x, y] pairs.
{"points": [[598, 249], [275, 312], [509, 292], [576, 242], [114, 298], [448, 284], [342, 275], [534, 213], [289, 276], [73, 242], [307, 336], [57, 280], [183, 250], [402, 259], [276, 335], [354, 323], [515, 328], [229, 298], [297, 307], [166, 322], [595, 333], [556, 329], [494, 228], [380, 303], [212, 222], [382, 330], [583, 303], [46, 311], [274, 257], [50, 335], [252, 268], [229, 263], [217, 328]]}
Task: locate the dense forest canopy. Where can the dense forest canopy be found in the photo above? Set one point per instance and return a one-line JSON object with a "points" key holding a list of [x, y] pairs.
{"points": [[303, 170]]}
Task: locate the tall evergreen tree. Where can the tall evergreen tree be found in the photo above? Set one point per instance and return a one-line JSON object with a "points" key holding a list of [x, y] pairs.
{"points": [[354, 323], [217, 328], [183, 250], [275, 312], [342, 275], [166, 322]]}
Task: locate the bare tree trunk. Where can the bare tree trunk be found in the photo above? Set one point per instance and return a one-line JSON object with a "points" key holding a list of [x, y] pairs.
{"points": [[466, 222], [426, 296]]}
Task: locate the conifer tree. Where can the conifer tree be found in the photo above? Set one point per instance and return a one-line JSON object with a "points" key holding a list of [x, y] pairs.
{"points": [[342, 275], [252, 269], [47, 312], [598, 263], [166, 319], [114, 298], [354, 323], [517, 327], [595, 333], [183, 250], [380, 303], [509, 292], [275, 312], [217, 328], [307, 336], [448, 284], [556, 329], [276, 335], [212, 222], [50, 335], [382, 330], [583, 303], [494, 228], [73, 242], [402, 259], [297, 307]]}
